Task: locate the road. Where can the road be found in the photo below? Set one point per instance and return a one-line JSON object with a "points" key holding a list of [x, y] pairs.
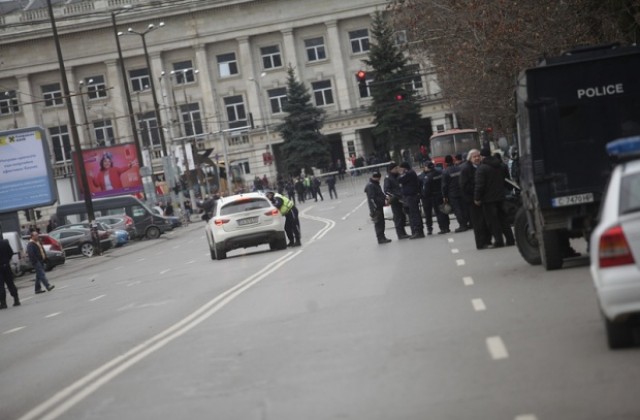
{"points": [[341, 328]]}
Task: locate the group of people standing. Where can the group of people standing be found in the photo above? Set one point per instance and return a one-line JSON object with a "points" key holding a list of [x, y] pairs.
{"points": [[472, 189]]}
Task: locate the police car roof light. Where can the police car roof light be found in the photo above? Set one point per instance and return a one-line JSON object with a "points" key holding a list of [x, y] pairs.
{"points": [[625, 148]]}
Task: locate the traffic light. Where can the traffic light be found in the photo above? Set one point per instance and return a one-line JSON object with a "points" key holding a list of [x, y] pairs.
{"points": [[361, 77], [400, 96]]}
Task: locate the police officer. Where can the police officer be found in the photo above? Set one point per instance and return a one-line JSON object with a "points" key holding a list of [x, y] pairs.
{"points": [[411, 190], [452, 192], [290, 212], [6, 275], [393, 191], [376, 201], [432, 198]]}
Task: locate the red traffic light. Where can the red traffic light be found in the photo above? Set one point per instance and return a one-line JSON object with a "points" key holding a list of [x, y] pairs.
{"points": [[361, 76], [399, 96]]}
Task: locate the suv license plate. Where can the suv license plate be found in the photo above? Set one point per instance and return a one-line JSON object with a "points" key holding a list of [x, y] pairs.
{"points": [[571, 200], [248, 221]]}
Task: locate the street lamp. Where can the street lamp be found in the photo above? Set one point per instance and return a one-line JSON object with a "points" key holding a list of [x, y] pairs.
{"points": [[84, 109], [265, 121], [151, 27]]}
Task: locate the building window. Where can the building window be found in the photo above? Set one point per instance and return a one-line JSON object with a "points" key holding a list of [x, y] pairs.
{"points": [[8, 103], [416, 80], [315, 49], [96, 89], [227, 64], [365, 91], [236, 113], [61, 143], [148, 124], [52, 94], [271, 57], [104, 132], [191, 119], [359, 41], [139, 80], [322, 92], [183, 72], [238, 139], [277, 99]]}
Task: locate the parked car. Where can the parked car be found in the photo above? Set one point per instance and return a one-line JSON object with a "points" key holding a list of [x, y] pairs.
{"points": [[101, 228], [78, 241], [175, 221], [122, 222], [52, 249], [122, 237], [242, 221], [615, 247]]}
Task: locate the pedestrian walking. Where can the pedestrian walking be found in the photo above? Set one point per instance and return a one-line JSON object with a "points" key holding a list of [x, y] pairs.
{"points": [[393, 192], [315, 185], [376, 200], [290, 212], [331, 185], [489, 194], [411, 191], [37, 256], [6, 275]]}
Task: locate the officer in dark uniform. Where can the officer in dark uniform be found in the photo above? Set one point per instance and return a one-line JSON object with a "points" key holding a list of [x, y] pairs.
{"points": [[393, 191], [411, 192], [432, 198], [452, 192], [376, 200], [290, 212], [6, 275]]}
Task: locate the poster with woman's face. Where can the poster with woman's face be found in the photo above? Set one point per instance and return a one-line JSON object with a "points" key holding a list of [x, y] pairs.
{"points": [[111, 171]]}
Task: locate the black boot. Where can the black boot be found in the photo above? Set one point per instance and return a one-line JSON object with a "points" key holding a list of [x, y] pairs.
{"points": [[16, 301], [3, 304]]}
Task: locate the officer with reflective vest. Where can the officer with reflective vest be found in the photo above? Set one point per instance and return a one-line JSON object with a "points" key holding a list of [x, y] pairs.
{"points": [[290, 212]]}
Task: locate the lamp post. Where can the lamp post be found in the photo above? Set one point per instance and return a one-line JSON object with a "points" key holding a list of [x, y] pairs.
{"points": [[156, 105], [84, 109], [265, 120]]}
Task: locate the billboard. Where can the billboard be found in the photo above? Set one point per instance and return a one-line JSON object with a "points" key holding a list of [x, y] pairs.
{"points": [[110, 171], [26, 176]]}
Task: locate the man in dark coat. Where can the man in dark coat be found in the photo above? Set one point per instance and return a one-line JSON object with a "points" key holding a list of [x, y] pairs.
{"points": [[452, 192], [376, 200], [6, 275], [37, 256], [411, 193], [489, 193], [432, 198], [393, 191], [468, 185]]}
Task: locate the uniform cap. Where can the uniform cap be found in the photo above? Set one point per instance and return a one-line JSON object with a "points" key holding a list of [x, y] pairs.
{"points": [[405, 165], [376, 175]]}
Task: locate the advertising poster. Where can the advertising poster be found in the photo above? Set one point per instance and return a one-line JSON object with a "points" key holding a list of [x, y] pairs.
{"points": [[26, 176], [110, 171]]}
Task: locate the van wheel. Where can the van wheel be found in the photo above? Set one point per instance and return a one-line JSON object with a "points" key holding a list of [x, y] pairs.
{"points": [[619, 334], [153, 232], [87, 249], [552, 253], [526, 241], [220, 252]]}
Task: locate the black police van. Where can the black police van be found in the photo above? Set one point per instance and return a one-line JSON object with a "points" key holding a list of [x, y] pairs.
{"points": [[569, 107]]}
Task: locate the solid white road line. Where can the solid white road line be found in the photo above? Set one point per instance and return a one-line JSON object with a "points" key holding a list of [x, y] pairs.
{"points": [[14, 330], [468, 281], [526, 417], [496, 348], [478, 305], [96, 298], [346, 216]]}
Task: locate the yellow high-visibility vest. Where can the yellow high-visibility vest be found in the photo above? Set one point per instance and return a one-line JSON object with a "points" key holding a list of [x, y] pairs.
{"points": [[287, 204]]}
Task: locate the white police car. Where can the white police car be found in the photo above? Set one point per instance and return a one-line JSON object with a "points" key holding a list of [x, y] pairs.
{"points": [[615, 246], [242, 221]]}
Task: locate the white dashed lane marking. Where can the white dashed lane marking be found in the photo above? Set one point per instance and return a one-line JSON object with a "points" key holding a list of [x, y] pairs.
{"points": [[478, 305], [165, 271], [53, 314], [14, 330], [526, 417], [468, 281], [96, 298], [455, 250], [460, 263], [450, 240], [496, 348]]}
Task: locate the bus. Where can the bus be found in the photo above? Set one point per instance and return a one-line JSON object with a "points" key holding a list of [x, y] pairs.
{"points": [[451, 142]]}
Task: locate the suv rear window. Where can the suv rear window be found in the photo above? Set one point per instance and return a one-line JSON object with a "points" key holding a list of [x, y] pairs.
{"points": [[243, 205]]}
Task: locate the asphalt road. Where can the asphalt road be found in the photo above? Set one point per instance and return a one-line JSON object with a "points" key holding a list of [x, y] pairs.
{"points": [[341, 328]]}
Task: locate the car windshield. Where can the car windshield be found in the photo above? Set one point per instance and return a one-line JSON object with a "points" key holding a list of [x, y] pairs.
{"points": [[245, 204], [630, 193]]}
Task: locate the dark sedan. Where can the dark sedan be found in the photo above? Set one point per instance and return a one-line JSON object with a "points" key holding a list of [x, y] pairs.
{"points": [[78, 241]]}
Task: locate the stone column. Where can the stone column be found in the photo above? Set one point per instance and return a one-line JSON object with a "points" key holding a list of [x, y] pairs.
{"points": [[209, 103], [290, 56], [117, 100], [25, 97], [342, 88]]}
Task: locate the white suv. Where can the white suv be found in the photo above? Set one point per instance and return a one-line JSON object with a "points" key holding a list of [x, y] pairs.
{"points": [[242, 221]]}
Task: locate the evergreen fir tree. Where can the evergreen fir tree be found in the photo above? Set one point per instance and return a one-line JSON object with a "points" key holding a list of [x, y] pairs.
{"points": [[304, 145], [397, 114]]}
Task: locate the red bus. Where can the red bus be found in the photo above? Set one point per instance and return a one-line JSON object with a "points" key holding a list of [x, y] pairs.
{"points": [[452, 142]]}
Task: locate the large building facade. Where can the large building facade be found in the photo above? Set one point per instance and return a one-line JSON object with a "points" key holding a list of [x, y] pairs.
{"points": [[219, 70]]}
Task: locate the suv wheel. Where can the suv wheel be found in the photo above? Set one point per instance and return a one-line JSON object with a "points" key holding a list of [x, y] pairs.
{"points": [[153, 232], [220, 252], [619, 334]]}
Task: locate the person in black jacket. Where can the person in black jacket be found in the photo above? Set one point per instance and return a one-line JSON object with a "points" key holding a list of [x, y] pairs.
{"points": [[452, 192], [432, 198], [468, 185], [393, 191], [489, 193], [6, 275], [376, 200], [411, 192], [37, 256]]}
